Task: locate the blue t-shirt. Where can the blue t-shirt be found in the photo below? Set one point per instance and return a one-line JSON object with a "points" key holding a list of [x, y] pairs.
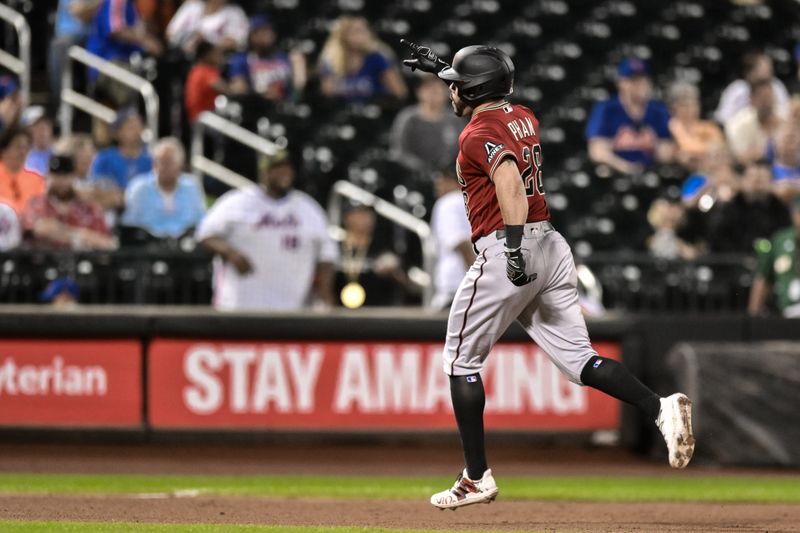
{"points": [[364, 84], [784, 173], [633, 141], [263, 73], [163, 216], [113, 16], [67, 24], [111, 166], [38, 161]]}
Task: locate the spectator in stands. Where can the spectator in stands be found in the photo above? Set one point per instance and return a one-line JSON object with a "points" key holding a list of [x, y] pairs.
{"points": [[715, 179], [116, 33], [786, 164], [10, 229], [451, 229], [17, 184], [693, 136], [264, 69], [272, 244], [778, 271], [218, 22], [756, 71], [73, 23], [752, 130], [165, 202], [371, 272], [60, 218], [115, 166], [204, 82], [61, 292], [83, 153], [425, 136], [10, 103], [356, 67], [753, 213], [631, 130], [40, 126], [666, 217]]}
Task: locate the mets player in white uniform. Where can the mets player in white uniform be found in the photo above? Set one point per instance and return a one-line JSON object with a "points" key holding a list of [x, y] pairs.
{"points": [[524, 270], [272, 247]]}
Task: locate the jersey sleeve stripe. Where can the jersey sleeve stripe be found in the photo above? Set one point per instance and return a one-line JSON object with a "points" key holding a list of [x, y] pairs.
{"points": [[502, 155]]}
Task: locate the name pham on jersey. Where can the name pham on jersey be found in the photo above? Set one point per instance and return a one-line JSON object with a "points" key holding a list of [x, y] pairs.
{"points": [[521, 128]]}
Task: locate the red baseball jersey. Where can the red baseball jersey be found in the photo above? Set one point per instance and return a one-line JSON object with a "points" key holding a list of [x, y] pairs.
{"points": [[493, 134]]}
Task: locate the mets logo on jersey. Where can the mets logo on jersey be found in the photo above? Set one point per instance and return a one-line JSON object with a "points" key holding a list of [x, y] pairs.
{"points": [[492, 150]]}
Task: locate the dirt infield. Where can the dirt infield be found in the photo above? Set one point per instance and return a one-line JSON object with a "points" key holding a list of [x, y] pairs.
{"points": [[506, 516], [372, 460]]}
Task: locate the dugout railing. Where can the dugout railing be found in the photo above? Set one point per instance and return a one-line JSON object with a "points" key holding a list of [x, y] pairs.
{"points": [[18, 64]]}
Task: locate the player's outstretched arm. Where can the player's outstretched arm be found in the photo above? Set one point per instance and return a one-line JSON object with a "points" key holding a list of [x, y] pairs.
{"points": [[423, 58], [514, 208]]}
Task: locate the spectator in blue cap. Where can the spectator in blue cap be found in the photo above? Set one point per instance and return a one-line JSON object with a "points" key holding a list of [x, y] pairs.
{"points": [[264, 69], [115, 166], [630, 131], [10, 102]]}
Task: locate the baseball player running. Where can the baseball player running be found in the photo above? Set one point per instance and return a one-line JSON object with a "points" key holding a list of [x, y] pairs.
{"points": [[524, 269]]}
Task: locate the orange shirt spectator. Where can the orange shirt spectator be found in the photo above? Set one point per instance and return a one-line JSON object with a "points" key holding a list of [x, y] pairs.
{"points": [[694, 137], [17, 185], [204, 82]]}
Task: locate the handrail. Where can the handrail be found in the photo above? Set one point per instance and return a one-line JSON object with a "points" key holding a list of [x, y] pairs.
{"points": [[345, 189], [200, 163], [18, 65], [72, 99]]}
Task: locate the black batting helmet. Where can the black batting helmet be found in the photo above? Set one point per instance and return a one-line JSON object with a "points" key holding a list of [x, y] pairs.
{"points": [[481, 73]]}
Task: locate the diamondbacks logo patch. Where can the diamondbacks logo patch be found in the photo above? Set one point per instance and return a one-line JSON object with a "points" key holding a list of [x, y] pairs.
{"points": [[492, 150]]}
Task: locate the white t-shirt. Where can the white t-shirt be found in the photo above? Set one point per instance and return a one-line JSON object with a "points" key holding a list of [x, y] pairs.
{"points": [[284, 239], [450, 227], [230, 21], [736, 97], [10, 230], [746, 138]]}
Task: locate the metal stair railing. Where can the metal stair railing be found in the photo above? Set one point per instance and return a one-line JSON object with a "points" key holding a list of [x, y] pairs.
{"points": [[202, 164], [19, 65], [71, 99]]}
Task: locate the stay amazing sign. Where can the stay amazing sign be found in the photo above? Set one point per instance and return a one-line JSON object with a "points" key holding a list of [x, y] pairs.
{"points": [[358, 386]]}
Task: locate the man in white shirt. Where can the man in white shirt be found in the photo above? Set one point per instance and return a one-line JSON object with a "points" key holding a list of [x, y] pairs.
{"points": [[272, 245], [757, 68], [750, 131], [452, 231]]}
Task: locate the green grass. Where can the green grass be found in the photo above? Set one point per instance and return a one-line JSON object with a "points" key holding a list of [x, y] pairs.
{"points": [[715, 489], [106, 527]]}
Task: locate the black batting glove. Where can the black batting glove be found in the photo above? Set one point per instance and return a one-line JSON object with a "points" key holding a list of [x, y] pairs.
{"points": [[515, 267], [423, 58]]}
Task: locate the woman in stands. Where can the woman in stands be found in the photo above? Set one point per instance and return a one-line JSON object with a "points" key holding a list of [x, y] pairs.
{"points": [[357, 67]]}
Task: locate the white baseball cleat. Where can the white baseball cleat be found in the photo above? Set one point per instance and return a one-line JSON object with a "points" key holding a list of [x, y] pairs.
{"points": [[466, 491], [675, 422]]}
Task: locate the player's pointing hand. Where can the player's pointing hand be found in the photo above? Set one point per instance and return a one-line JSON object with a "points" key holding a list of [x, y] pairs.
{"points": [[423, 58]]}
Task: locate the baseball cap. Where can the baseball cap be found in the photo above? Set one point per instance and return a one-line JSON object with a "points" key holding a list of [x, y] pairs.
{"points": [[631, 67], [8, 85], [58, 286], [32, 115], [122, 116], [61, 164], [278, 158], [259, 21]]}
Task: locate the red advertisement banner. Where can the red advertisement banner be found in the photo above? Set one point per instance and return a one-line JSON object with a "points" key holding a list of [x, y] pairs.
{"points": [[358, 386], [71, 383]]}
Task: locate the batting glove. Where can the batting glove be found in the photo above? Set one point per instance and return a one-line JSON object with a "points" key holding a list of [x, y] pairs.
{"points": [[423, 58], [515, 268]]}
